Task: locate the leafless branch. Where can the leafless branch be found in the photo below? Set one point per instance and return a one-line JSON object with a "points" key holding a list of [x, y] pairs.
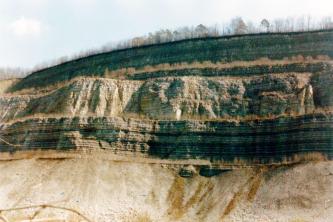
{"points": [[43, 206]]}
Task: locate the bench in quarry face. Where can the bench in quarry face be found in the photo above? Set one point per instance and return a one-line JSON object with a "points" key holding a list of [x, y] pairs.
{"points": [[277, 112], [226, 49], [281, 140]]}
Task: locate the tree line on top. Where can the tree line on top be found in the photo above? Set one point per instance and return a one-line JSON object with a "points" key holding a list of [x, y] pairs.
{"points": [[17, 72], [237, 26]]}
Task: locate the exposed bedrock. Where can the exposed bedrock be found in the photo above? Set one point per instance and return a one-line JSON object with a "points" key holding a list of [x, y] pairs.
{"points": [[190, 97], [252, 99], [226, 49], [261, 141], [178, 97], [323, 87]]}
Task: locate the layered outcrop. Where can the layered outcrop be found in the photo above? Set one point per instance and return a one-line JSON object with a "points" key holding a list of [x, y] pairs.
{"points": [[234, 128], [177, 97], [254, 99], [252, 142], [226, 49]]}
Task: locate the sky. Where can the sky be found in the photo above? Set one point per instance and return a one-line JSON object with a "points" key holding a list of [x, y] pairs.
{"points": [[35, 31]]}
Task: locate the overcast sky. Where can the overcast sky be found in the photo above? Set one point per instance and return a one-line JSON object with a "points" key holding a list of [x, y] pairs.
{"points": [[33, 31]]}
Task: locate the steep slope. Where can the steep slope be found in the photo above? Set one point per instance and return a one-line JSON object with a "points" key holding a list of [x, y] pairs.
{"points": [[257, 118], [126, 191], [221, 129], [226, 49]]}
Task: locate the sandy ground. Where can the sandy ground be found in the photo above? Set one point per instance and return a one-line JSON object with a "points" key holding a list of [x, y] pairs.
{"points": [[104, 190]]}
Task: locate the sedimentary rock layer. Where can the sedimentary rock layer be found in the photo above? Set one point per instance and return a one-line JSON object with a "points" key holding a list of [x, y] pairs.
{"points": [[176, 97], [226, 49], [214, 99], [261, 141]]}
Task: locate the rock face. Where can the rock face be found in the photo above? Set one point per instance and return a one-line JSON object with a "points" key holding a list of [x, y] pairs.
{"points": [[253, 112], [226, 49], [253, 142], [221, 129], [171, 98]]}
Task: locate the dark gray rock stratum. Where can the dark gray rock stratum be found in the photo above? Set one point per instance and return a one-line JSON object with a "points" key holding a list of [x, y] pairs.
{"points": [[242, 114]]}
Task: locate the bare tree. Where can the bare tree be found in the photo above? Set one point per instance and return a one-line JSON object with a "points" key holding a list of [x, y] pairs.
{"points": [[185, 32], [213, 30], [289, 24], [201, 31], [308, 22], [168, 35], [226, 30], [326, 23], [16, 72], [138, 41], [301, 24], [251, 28], [264, 24], [238, 26], [177, 35], [278, 25]]}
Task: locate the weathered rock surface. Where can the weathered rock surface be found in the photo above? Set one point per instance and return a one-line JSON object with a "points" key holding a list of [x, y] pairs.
{"points": [[252, 142], [226, 49], [105, 191], [174, 98], [250, 119], [198, 130], [271, 118]]}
